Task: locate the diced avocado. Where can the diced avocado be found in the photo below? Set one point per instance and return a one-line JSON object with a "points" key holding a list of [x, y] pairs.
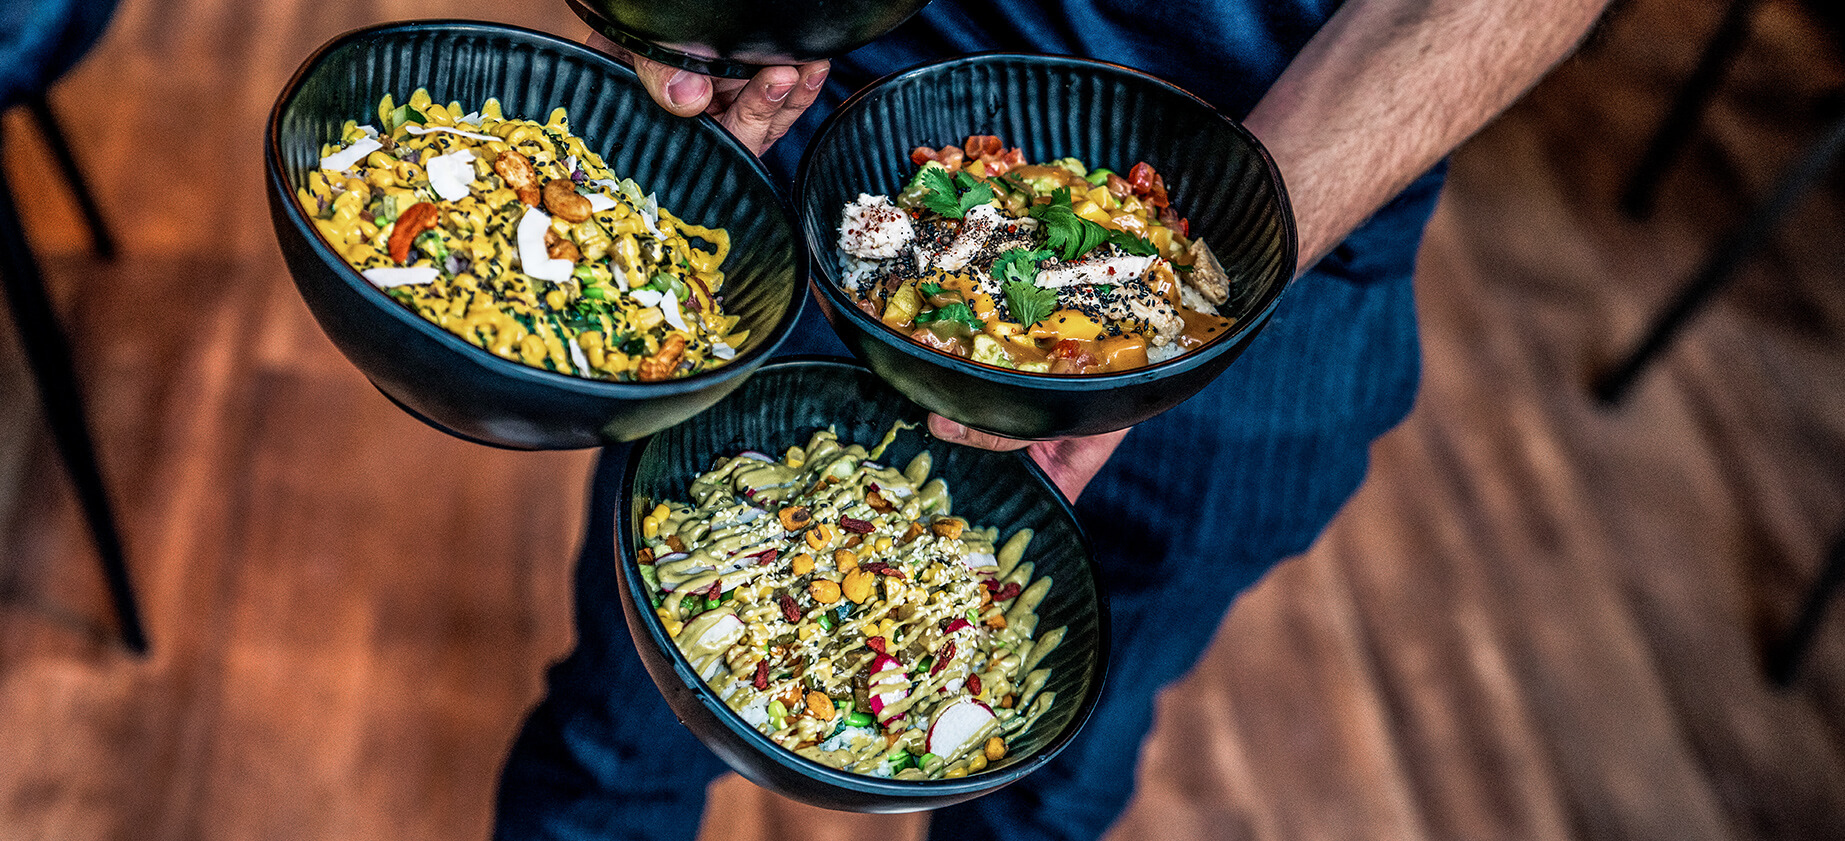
{"points": [[1098, 176], [1073, 165], [987, 350], [1035, 367], [1043, 185]]}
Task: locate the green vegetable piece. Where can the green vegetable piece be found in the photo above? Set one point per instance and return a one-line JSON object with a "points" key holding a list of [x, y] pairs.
{"points": [[1098, 176], [988, 351], [826, 621], [711, 604], [1075, 166], [859, 719], [690, 603], [953, 312]]}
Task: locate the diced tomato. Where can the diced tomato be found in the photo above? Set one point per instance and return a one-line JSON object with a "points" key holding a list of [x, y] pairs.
{"points": [[1119, 187], [922, 155], [1067, 349]]}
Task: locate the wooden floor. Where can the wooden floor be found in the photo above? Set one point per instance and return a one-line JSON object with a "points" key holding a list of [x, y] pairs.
{"points": [[1538, 619]]}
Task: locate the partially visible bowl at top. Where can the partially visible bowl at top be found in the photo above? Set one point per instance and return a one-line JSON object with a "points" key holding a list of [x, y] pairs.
{"points": [[698, 170], [737, 37], [1105, 115]]}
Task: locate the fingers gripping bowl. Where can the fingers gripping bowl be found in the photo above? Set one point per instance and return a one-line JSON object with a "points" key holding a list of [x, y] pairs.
{"points": [[1219, 176], [693, 166], [783, 406]]}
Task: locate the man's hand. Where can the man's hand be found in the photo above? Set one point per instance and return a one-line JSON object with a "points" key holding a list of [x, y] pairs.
{"points": [[1070, 462], [758, 110]]}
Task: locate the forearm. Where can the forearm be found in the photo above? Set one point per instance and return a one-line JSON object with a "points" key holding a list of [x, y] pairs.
{"points": [[1388, 87]]}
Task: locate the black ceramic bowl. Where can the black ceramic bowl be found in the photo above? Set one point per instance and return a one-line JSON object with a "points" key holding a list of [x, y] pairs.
{"points": [[737, 37], [1220, 177], [700, 172], [781, 406]]}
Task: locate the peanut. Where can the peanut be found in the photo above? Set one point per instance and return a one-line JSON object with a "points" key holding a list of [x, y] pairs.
{"points": [[819, 536], [661, 365], [857, 585], [517, 170], [845, 560], [794, 517], [878, 503], [819, 705], [564, 202], [559, 248], [996, 749], [946, 527], [802, 564], [824, 591], [410, 224]]}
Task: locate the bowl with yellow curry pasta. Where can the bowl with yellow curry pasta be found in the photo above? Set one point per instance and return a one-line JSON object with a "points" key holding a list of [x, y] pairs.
{"points": [[1042, 246], [849, 612], [506, 235]]}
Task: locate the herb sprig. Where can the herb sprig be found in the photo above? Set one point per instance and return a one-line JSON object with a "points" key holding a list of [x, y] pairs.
{"points": [[1017, 271], [1075, 236], [953, 196]]}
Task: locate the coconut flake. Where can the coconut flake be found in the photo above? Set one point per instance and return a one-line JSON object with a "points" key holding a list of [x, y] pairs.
{"points": [[647, 297], [370, 131], [669, 305], [385, 278], [413, 128], [533, 259], [450, 174], [599, 202], [723, 351], [472, 119], [577, 358], [344, 159]]}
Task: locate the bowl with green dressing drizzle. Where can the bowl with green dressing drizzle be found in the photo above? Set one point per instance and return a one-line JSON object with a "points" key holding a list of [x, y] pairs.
{"points": [[849, 612]]}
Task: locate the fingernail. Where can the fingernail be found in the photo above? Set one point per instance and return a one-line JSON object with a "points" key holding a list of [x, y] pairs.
{"points": [[777, 93], [683, 88], [814, 80]]}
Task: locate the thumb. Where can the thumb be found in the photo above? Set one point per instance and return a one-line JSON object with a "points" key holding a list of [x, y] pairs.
{"points": [[682, 92], [948, 430]]}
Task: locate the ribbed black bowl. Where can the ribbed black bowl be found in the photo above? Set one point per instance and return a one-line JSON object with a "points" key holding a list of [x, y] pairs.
{"points": [[781, 407], [1219, 176], [737, 37], [700, 172]]}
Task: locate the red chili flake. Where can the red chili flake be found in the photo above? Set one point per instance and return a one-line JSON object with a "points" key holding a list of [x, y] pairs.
{"points": [[856, 526], [874, 567], [942, 657], [973, 684], [1011, 590], [765, 557], [761, 680], [957, 625], [790, 611], [891, 571], [876, 644]]}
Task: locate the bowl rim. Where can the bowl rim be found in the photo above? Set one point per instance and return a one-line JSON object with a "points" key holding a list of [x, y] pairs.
{"points": [[277, 179], [826, 286], [863, 784]]}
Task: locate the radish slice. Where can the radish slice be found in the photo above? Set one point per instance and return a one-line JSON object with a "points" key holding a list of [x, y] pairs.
{"points": [[890, 683], [956, 725]]}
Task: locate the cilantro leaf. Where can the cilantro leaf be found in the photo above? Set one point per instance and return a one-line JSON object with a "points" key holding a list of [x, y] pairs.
{"points": [[1018, 264], [1029, 303], [978, 193], [939, 191], [1131, 244], [952, 196], [1064, 230], [953, 312], [930, 290]]}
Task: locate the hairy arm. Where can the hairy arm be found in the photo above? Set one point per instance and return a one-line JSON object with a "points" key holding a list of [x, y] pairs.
{"points": [[1382, 92], [1388, 87]]}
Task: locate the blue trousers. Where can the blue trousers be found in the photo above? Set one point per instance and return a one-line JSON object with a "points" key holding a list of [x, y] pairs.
{"points": [[1192, 509]]}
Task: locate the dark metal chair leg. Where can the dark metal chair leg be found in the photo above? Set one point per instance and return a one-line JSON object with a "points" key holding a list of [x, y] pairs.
{"points": [[1687, 108], [48, 355], [1723, 263], [1783, 660], [80, 188]]}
